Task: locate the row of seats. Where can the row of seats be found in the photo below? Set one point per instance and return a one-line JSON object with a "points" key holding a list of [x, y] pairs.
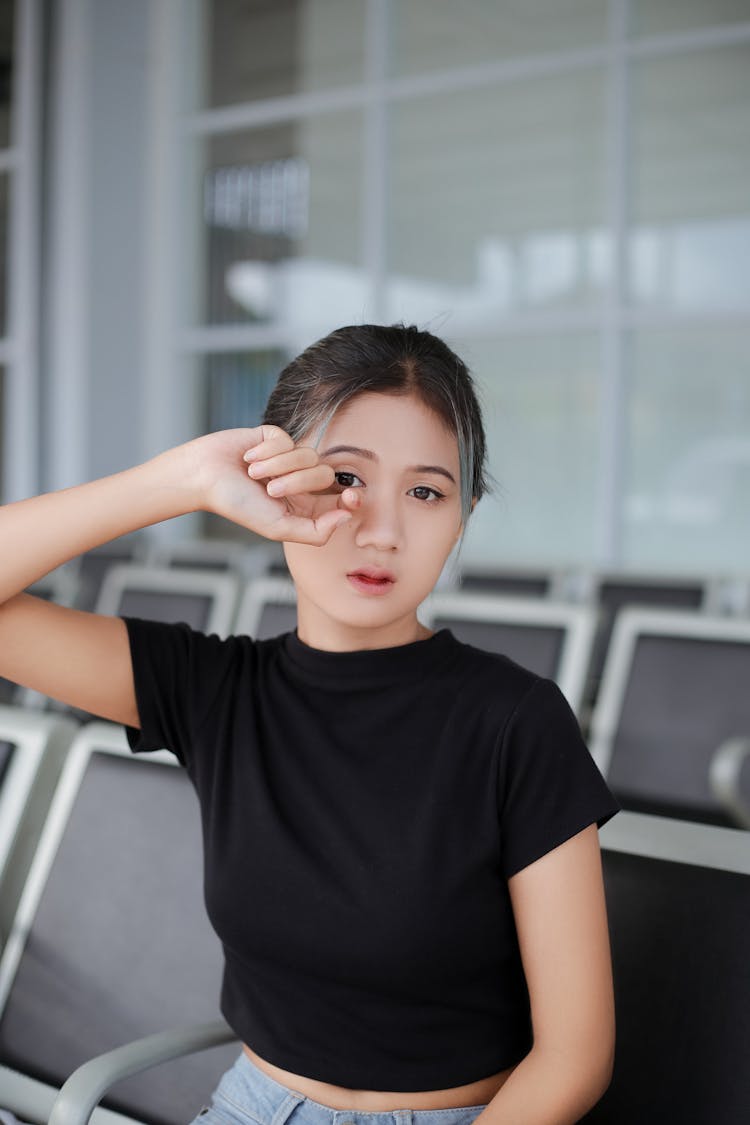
{"points": [[105, 940], [609, 591], [669, 725], [718, 594]]}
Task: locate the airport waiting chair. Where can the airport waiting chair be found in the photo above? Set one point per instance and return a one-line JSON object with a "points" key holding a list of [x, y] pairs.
{"points": [[268, 608], [525, 583], [110, 941], [551, 638], [250, 560], [92, 567], [671, 728], [677, 897], [32, 752], [206, 601], [677, 903], [612, 592]]}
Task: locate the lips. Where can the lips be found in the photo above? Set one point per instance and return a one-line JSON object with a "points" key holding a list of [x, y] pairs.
{"points": [[373, 574], [371, 581]]}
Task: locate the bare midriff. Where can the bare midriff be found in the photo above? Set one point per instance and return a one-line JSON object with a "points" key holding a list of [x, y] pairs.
{"points": [[374, 1101]]}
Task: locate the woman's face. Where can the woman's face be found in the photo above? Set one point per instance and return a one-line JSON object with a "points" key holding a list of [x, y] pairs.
{"points": [[404, 463]]}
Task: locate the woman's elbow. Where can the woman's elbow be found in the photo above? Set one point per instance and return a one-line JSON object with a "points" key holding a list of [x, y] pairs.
{"points": [[596, 1038], [597, 1071], [605, 1075], [586, 1068]]}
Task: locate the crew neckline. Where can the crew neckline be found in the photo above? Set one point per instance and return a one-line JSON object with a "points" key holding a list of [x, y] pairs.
{"points": [[394, 662]]}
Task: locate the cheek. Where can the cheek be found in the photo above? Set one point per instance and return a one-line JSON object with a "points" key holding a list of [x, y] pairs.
{"points": [[441, 535], [309, 565], [431, 549]]}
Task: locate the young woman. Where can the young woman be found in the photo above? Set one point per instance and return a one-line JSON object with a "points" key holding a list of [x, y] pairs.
{"points": [[402, 859]]}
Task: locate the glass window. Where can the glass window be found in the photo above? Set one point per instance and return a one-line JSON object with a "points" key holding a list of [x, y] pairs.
{"points": [[237, 386], [441, 34], [497, 201], [662, 17], [4, 198], [7, 32], [690, 243], [540, 400], [269, 48], [282, 216], [688, 480]]}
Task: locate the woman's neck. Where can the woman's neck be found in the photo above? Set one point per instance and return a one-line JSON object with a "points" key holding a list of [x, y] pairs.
{"points": [[319, 631]]}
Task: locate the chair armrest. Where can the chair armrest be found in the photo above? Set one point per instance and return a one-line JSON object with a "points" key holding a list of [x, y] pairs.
{"points": [[724, 777], [82, 1092]]}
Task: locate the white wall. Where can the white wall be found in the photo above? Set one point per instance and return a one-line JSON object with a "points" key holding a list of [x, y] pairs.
{"points": [[96, 270]]}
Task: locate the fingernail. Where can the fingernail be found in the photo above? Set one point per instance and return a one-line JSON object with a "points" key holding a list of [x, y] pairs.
{"points": [[274, 487], [249, 455]]}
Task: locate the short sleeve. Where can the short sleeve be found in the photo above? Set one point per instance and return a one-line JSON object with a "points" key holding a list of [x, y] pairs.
{"points": [[177, 672], [549, 787]]}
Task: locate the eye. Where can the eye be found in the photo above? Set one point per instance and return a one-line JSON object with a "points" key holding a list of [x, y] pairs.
{"points": [[349, 479], [421, 489]]}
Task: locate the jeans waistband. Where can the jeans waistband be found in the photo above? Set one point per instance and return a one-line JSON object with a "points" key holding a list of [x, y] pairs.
{"points": [[284, 1100]]}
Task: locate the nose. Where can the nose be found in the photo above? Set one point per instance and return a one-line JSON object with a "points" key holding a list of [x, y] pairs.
{"points": [[378, 523]]}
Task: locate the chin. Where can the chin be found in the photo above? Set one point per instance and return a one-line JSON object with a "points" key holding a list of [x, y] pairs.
{"points": [[359, 612]]}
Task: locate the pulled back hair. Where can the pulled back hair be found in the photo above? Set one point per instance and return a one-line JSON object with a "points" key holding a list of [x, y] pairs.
{"points": [[391, 359]]}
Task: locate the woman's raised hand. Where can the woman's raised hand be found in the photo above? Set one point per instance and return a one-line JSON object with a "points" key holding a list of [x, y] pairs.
{"points": [[260, 479], [208, 473]]}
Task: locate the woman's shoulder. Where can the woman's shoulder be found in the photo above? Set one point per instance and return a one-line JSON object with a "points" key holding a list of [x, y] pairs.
{"points": [[479, 671], [169, 641]]}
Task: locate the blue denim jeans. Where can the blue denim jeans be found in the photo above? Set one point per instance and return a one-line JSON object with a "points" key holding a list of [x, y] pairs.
{"points": [[246, 1095]]}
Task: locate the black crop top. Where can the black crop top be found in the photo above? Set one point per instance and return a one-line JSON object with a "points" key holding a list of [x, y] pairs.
{"points": [[361, 814]]}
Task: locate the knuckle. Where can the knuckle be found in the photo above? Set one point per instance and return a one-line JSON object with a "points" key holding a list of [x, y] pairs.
{"points": [[308, 455], [277, 436]]}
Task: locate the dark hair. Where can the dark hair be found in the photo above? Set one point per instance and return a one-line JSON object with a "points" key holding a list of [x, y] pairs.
{"points": [[393, 359]]}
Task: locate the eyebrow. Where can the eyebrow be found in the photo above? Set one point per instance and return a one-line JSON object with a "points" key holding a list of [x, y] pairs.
{"points": [[370, 456]]}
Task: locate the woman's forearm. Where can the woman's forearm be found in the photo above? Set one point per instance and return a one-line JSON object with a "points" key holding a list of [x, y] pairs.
{"points": [[39, 534], [546, 1088]]}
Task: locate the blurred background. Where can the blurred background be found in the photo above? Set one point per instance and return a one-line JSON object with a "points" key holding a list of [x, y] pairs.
{"points": [[191, 192]]}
